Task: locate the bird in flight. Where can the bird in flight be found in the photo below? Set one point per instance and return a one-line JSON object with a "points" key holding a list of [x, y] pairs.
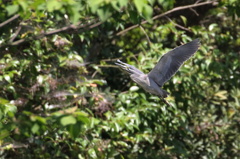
{"points": [[166, 67]]}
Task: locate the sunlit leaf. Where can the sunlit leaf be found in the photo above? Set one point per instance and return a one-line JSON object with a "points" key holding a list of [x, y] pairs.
{"points": [[35, 128], [221, 94], [67, 120], [12, 9], [140, 4], [134, 88], [7, 78], [184, 19], [53, 5]]}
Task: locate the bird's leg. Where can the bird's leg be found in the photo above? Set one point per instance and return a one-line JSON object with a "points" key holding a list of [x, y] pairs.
{"points": [[166, 102]]}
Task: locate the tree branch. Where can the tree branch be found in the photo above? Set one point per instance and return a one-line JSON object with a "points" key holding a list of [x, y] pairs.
{"points": [[148, 39], [94, 24], [16, 33], [63, 29], [177, 25], [166, 13], [9, 20]]}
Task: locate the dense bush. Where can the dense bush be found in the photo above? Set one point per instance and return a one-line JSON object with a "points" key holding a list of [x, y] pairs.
{"points": [[63, 97]]}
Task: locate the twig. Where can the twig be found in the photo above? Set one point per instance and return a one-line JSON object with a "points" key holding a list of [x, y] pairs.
{"points": [[166, 13], [148, 39], [194, 11], [77, 26], [16, 33], [9, 20], [63, 29], [179, 26]]}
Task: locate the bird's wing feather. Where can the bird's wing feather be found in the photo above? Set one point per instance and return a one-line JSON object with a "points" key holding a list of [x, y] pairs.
{"points": [[170, 62]]}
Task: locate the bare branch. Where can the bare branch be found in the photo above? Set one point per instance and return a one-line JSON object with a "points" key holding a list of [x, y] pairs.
{"points": [[179, 26], [9, 20], [148, 39], [195, 12], [166, 13], [16, 34]]}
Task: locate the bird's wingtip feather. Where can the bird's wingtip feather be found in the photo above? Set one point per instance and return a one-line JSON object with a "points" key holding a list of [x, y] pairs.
{"points": [[198, 41]]}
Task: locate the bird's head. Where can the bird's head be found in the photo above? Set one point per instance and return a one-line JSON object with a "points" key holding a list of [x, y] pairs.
{"points": [[128, 68]]}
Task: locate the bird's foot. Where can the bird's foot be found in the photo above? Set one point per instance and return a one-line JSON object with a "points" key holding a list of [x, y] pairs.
{"points": [[166, 102]]}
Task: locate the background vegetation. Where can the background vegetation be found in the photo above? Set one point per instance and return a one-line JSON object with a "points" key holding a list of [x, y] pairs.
{"points": [[62, 97]]}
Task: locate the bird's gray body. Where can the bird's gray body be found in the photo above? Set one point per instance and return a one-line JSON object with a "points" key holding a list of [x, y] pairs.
{"points": [[149, 85], [167, 66]]}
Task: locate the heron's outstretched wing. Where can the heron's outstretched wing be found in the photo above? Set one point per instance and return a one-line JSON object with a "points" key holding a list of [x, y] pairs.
{"points": [[170, 62]]}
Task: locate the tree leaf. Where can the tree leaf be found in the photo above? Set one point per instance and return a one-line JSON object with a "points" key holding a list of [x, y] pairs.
{"points": [[53, 5], [140, 4], [67, 120], [147, 12], [134, 88], [12, 9], [184, 19], [104, 13]]}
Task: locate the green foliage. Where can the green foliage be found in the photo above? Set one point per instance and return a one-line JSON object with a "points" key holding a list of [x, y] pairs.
{"points": [[62, 97]]}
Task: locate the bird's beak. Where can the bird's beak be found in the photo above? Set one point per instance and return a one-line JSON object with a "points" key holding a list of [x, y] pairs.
{"points": [[123, 65]]}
